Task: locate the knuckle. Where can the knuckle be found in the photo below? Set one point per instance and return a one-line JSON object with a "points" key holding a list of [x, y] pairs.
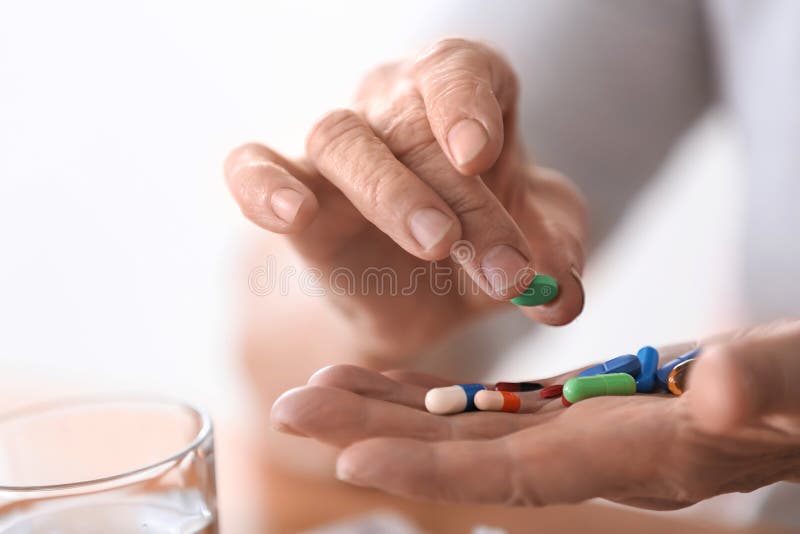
{"points": [[471, 201], [404, 127], [443, 49], [379, 184], [343, 144], [453, 80], [332, 129], [445, 65], [478, 66], [244, 155]]}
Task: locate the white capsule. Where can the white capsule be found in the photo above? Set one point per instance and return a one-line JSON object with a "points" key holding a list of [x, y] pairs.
{"points": [[451, 399], [490, 401]]}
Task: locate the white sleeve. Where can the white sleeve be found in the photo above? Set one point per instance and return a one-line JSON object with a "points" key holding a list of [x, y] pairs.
{"points": [[608, 88]]}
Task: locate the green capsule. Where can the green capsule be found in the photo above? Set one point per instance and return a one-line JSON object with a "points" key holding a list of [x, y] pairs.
{"points": [[542, 290], [586, 387]]}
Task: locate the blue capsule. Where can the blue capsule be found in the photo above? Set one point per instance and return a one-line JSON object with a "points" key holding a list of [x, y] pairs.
{"points": [[621, 364], [648, 358], [663, 373], [471, 390]]}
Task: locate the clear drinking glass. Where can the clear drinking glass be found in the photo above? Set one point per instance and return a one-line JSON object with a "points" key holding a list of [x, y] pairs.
{"points": [[120, 466]]}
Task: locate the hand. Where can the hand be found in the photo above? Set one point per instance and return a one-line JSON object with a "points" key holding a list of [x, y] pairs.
{"points": [[737, 428], [428, 157]]}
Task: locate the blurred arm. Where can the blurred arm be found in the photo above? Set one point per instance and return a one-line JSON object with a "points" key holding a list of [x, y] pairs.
{"points": [[607, 89]]}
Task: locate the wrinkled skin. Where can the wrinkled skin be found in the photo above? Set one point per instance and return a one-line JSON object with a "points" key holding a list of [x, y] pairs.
{"points": [[736, 429], [367, 171]]}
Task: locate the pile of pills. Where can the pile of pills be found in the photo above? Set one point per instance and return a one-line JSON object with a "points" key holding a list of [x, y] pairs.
{"points": [[623, 375]]}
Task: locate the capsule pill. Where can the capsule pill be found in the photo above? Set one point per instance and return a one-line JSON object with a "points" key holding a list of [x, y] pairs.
{"points": [[648, 358], [663, 373], [497, 401], [621, 364], [542, 289], [452, 399], [551, 392], [678, 378], [585, 387], [517, 386]]}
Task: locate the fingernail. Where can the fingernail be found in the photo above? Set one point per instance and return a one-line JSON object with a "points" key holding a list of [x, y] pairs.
{"points": [[578, 278], [429, 226], [504, 266], [466, 140], [344, 472], [286, 203]]}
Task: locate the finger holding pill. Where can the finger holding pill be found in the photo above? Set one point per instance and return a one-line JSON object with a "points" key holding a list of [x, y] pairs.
{"points": [[542, 289]]}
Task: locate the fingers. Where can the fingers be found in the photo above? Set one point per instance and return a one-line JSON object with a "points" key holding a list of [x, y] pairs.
{"points": [[552, 217], [267, 193], [454, 472], [493, 251], [420, 379], [747, 377], [518, 469], [578, 454], [554, 258], [467, 89], [347, 152], [371, 384], [341, 417]]}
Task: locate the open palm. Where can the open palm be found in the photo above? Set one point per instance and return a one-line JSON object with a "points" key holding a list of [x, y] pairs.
{"points": [[643, 450]]}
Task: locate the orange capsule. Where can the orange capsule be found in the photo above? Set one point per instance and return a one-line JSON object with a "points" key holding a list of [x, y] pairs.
{"points": [[678, 379], [497, 401]]}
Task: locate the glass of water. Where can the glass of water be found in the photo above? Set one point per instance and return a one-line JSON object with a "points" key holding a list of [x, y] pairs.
{"points": [[93, 466]]}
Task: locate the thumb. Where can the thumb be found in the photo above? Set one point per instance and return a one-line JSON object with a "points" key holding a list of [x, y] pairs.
{"points": [[748, 377]]}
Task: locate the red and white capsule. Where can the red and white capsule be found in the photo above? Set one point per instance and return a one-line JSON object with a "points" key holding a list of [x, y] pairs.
{"points": [[497, 401]]}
